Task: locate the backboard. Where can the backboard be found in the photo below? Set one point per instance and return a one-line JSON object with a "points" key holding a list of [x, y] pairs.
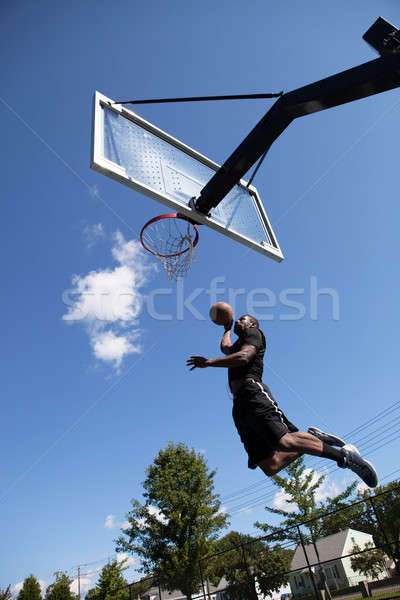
{"points": [[139, 155]]}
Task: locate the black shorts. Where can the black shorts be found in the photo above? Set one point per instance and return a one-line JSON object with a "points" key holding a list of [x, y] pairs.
{"points": [[259, 421]]}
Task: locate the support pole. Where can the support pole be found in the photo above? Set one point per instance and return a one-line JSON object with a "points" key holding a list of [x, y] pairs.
{"points": [[249, 577], [202, 580], [387, 542], [370, 78], [308, 563]]}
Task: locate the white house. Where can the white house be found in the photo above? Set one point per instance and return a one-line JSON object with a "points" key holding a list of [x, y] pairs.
{"points": [[337, 570], [211, 592]]}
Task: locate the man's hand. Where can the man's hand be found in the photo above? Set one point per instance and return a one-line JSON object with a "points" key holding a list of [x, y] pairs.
{"points": [[197, 361], [228, 326]]}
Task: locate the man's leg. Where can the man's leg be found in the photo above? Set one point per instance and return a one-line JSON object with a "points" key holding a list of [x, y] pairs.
{"points": [[290, 447], [277, 462], [294, 444], [305, 443]]}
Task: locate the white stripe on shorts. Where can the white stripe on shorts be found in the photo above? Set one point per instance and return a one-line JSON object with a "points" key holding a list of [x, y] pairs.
{"points": [[274, 404]]}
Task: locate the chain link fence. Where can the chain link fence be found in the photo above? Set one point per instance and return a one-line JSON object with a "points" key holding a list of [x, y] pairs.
{"points": [[316, 557]]}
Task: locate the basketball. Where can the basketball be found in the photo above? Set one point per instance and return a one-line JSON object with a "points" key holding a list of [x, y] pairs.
{"points": [[221, 313]]}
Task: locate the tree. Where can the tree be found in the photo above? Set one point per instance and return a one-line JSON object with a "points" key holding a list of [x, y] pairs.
{"points": [[371, 564], [382, 515], [30, 589], [141, 587], [111, 584], [250, 566], [301, 488], [376, 512], [179, 521], [60, 589], [6, 594]]}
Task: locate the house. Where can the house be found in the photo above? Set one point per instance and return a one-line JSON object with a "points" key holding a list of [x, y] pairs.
{"points": [[335, 564], [210, 592]]}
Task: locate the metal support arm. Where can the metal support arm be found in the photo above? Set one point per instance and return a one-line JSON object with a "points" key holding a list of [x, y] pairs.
{"points": [[370, 78]]}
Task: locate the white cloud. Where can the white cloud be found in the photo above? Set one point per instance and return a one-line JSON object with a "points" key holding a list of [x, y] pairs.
{"points": [[105, 296], [126, 253], [246, 510], [94, 191], [362, 487], [93, 233], [281, 501], [328, 488], [110, 522], [110, 347], [18, 587], [85, 584], [156, 512], [131, 561], [108, 302]]}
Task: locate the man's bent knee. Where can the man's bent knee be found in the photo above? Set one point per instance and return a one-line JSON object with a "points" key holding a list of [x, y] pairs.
{"points": [[287, 443], [270, 466]]}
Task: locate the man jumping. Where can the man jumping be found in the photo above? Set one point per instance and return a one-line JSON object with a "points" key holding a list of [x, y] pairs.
{"points": [[270, 439]]}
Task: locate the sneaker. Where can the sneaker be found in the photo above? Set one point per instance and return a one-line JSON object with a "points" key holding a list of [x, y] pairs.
{"points": [[327, 438], [359, 466]]}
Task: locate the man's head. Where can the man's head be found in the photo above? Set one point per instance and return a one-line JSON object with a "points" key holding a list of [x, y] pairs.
{"points": [[245, 322]]}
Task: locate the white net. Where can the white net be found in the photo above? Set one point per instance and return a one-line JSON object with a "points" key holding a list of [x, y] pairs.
{"points": [[172, 241]]}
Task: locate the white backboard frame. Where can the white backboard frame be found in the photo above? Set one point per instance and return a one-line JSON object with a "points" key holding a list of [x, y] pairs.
{"points": [[107, 167]]}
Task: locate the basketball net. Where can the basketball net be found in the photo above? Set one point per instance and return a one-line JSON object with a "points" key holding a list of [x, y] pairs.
{"points": [[172, 239]]}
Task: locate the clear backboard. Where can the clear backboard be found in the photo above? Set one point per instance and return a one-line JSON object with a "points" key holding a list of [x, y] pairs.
{"points": [[138, 154]]}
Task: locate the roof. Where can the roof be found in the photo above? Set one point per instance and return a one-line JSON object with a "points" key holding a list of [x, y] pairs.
{"points": [[153, 593], [329, 548]]}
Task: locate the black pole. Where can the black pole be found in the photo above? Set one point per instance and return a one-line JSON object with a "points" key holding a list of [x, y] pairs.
{"points": [[202, 580], [308, 562], [249, 577], [203, 98], [321, 572], [370, 78]]}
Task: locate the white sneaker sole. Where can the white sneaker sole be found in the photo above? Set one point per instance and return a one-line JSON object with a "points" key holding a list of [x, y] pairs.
{"points": [[352, 448]]}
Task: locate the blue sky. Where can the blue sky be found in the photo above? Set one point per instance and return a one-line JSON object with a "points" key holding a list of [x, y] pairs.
{"points": [[87, 404]]}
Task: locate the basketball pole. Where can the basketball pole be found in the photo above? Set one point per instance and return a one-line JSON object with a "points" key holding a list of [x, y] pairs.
{"points": [[368, 79]]}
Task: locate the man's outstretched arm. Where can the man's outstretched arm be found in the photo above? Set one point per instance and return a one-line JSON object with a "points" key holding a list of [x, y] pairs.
{"points": [[237, 359]]}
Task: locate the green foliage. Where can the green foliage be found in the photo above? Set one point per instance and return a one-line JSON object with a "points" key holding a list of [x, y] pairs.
{"points": [[371, 564], [387, 507], [383, 514], [141, 587], [110, 582], [60, 589], [6, 594], [179, 521], [30, 589], [301, 487], [244, 560]]}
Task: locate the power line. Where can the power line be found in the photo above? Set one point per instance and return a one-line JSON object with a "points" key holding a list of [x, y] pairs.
{"points": [[327, 471], [253, 488]]}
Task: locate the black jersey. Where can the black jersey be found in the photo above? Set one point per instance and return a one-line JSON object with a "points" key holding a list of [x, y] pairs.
{"points": [[253, 337]]}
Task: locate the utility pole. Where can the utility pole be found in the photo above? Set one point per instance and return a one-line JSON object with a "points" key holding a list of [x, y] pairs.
{"points": [[79, 582]]}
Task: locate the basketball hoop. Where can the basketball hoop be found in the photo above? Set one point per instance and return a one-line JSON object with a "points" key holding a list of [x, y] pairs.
{"points": [[171, 238]]}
